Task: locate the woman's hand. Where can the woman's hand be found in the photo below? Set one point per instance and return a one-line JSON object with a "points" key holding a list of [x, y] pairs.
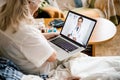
{"points": [[50, 35], [52, 58], [73, 78]]}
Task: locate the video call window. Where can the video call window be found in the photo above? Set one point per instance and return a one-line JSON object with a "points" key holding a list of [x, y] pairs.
{"points": [[78, 28]]}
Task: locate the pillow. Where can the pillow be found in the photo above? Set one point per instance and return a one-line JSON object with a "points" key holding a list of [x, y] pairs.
{"points": [[85, 3], [78, 3], [52, 3], [43, 3], [70, 4], [66, 4]]}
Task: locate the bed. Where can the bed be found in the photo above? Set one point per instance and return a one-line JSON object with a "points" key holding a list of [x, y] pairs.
{"points": [[89, 68]]}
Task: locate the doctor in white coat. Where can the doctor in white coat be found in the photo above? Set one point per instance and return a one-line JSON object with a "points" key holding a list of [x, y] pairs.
{"points": [[75, 34]]}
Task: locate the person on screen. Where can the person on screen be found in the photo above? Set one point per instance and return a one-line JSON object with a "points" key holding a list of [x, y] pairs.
{"points": [[76, 31]]}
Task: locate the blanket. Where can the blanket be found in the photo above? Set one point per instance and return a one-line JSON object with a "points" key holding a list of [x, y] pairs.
{"points": [[88, 68], [80, 66]]}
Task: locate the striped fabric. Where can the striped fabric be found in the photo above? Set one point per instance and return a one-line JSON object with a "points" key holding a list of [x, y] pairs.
{"points": [[8, 70]]}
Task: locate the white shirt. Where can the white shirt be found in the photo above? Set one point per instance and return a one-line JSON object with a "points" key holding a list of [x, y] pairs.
{"points": [[75, 33], [27, 48]]}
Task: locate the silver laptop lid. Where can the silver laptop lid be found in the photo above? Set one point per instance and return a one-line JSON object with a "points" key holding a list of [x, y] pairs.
{"points": [[78, 28]]}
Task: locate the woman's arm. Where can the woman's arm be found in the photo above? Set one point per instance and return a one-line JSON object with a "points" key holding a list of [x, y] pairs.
{"points": [[50, 35]]}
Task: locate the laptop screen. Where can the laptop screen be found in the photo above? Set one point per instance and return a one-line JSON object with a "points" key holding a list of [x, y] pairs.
{"points": [[78, 28]]}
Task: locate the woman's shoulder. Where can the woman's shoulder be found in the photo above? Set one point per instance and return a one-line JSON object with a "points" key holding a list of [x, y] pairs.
{"points": [[24, 31]]}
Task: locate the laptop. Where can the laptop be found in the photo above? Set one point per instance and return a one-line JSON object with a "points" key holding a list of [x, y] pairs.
{"points": [[70, 41]]}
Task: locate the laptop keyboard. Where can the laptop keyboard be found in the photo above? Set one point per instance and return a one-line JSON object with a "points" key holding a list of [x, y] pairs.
{"points": [[64, 44]]}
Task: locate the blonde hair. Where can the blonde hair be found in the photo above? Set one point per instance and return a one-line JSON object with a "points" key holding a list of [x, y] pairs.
{"points": [[13, 12]]}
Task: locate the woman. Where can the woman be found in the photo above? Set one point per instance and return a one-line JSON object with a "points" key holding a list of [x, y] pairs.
{"points": [[16, 22], [26, 46]]}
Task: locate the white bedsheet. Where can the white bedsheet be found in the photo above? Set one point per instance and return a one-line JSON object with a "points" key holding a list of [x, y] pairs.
{"points": [[88, 68]]}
